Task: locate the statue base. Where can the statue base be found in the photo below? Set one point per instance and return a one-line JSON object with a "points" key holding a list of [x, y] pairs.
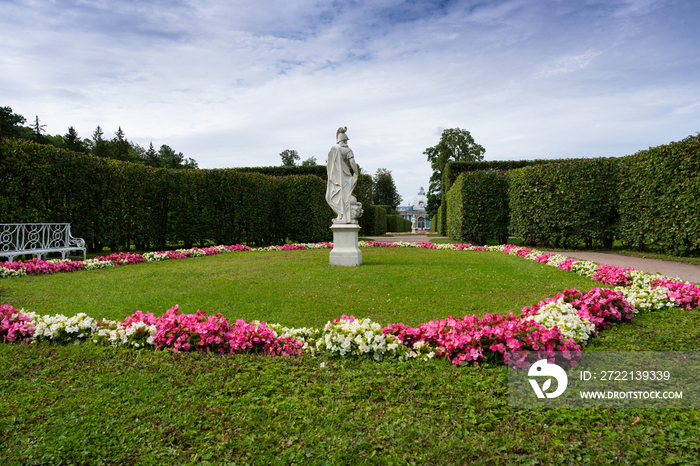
{"points": [[345, 251]]}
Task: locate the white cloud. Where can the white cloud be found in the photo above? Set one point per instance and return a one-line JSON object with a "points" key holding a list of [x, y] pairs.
{"points": [[235, 83]]}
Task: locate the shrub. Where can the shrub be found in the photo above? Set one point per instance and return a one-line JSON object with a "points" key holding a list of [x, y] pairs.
{"points": [[564, 204], [477, 207], [392, 223], [660, 198], [116, 204]]}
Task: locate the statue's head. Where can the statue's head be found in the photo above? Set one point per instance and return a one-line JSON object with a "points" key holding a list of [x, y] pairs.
{"points": [[340, 136]]}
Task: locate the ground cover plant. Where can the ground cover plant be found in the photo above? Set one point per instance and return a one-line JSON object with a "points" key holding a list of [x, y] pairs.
{"points": [[190, 408], [297, 288]]}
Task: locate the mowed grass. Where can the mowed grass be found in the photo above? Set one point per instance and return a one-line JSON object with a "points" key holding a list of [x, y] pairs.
{"points": [[300, 288], [95, 405]]}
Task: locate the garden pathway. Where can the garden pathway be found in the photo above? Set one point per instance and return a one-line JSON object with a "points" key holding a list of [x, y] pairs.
{"points": [[688, 272]]}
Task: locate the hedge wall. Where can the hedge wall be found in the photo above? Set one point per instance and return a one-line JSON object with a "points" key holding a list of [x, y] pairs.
{"points": [[316, 170], [396, 223], [454, 169], [660, 198], [389, 210], [564, 204], [373, 221], [113, 203], [477, 207], [441, 219]]}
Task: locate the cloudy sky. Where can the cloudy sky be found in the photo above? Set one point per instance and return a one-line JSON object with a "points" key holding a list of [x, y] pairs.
{"points": [[234, 83]]}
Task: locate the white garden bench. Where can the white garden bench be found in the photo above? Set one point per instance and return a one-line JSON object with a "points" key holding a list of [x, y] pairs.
{"points": [[38, 239]]}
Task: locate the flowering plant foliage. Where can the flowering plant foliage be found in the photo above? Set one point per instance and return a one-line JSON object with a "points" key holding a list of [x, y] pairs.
{"points": [[567, 264], [544, 258], [556, 313], [362, 337], [489, 338], [38, 266], [563, 322], [62, 329], [122, 258], [15, 325], [611, 275], [684, 295], [11, 269], [585, 268]]}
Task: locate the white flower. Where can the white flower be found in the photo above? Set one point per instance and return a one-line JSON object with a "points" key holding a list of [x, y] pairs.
{"points": [[565, 317], [585, 268]]}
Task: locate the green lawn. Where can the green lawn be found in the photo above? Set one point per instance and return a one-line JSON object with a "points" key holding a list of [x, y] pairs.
{"points": [[299, 288], [89, 404]]}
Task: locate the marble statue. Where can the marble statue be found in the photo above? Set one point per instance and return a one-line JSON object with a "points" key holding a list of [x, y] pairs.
{"points": [[342, 179]]}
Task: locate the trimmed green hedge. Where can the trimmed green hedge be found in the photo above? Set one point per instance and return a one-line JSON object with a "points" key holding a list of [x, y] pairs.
{"points": [[565, 204], [454, 169], [441, 219], [477, 207], [388, 209], [113, 203], [373, 221], [391, 223], [396, 223], [316, 170], [660, 198]]}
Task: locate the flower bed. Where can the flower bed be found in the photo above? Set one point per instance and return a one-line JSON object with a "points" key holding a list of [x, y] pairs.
{"points": [[563, 322]]}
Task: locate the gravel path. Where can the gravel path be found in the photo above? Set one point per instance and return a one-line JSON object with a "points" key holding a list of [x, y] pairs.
{"points": [[688, 272], [671, 269]]}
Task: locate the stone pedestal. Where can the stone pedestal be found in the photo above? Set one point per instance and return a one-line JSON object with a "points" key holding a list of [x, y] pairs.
{"points": [[345, 250]]}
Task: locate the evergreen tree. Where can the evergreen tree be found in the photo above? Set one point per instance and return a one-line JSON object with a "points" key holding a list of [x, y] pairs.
{"points": [[100, 146], [73, 142], [171, 159], [151, 157], [385, 192], [120, 148], [38, 131]]}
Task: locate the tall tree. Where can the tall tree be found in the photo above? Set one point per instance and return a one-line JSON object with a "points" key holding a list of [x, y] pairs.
{"points": [[73, 142], [151, 157], [100, 147], [38, 131], [11, 124], [455, 144], [171, 159], [385, 192], [364, 191], [120, 146], [310, 162], [289, 157], [121, 149]]}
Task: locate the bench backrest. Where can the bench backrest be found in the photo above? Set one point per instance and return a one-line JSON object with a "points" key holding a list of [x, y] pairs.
{"points": [[30, 236]]}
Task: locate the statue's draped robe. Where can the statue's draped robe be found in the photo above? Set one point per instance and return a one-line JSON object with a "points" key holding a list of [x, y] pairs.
{"points": [[340, 183]]}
